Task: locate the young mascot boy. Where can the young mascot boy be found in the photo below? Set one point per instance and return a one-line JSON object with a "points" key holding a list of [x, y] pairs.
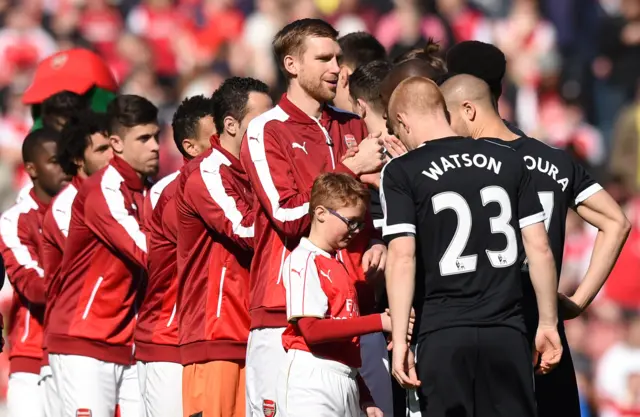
{"points": [[322, 338]]}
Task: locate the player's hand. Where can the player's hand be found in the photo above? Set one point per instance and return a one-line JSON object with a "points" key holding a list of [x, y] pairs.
{"points": [[374, 261], [569, 309], [372, 411], [394, 146], [372, 179], [351, 152], [404, 366], [369, 158], [549, 348]]}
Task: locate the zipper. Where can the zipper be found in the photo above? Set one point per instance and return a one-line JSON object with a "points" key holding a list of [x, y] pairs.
{"points": [[284, 252], [93, 296], [224, 270], [328, 141]]}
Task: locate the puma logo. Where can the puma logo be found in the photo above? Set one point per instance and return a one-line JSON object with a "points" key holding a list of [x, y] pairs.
{"points": [[297, 272], [296, 145], [252, 138], [326, 275]]}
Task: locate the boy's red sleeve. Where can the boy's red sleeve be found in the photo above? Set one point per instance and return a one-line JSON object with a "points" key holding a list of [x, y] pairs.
{"points": [[315, 330]]}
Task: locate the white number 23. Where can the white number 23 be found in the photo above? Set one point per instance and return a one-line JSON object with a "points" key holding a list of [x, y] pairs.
{"points": [[452, 262]]}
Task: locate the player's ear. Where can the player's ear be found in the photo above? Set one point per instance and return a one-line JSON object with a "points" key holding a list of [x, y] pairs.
{"points": [[319, 213], [30, 167], [231, 125], [117, 143], [291, 64], [361, 108], [343, 76], [469, 111], [189, 147]]}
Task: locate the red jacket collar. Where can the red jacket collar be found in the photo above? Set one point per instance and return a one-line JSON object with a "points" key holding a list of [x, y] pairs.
{"points": [[298, 116], [42, 207], [131, 178], [235, 162], [77, 182]]}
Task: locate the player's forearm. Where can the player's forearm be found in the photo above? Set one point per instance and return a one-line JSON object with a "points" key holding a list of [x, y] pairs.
{"points": [[315, 330], [542, 270], [607, 248], [400, 282]]}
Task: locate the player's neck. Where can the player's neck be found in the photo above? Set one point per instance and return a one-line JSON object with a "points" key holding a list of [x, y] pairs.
{"points": [[41, 194], [433, 131], [121, 156], [229, 144], [316, 238], [309, 105], [495, 129], [375, 124], [82, 174]]}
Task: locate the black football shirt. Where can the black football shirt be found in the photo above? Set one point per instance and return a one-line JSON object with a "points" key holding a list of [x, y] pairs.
{"points": [[562, 184], [465, 201]]}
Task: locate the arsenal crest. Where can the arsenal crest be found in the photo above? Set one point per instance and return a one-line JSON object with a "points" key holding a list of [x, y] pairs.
{"points": [[269, 408], [350, 140]]}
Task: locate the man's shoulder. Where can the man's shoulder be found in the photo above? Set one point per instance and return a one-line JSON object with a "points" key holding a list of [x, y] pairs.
{"points": [[24, 207], [64, 200], [274, 118]]}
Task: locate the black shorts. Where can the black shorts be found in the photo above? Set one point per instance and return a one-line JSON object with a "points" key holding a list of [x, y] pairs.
{"points": [[557, 392], [476, 372]]}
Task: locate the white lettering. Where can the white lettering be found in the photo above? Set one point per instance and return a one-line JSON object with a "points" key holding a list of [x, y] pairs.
{"points": [[455, 158], [434, 172], [494, 166], [529, 162], [480, 157], [553, 171], [467, 160], [446, 164], [564, 182]]}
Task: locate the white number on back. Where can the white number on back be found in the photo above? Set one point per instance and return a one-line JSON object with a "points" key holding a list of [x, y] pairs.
{"points": [[452, 262], [547, 202]]}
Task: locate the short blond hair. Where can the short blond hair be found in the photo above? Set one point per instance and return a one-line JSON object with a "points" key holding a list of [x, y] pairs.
{"points": [[337, 190]]}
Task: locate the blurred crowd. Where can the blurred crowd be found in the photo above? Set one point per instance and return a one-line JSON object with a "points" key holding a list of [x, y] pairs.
{"points": [[573, 81]]}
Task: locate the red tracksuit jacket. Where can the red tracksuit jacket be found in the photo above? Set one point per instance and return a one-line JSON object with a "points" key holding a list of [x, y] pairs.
{"points": [[55, 229], [283, 152], [103, 266], [20, 245], [156, 334], [215, 236]]}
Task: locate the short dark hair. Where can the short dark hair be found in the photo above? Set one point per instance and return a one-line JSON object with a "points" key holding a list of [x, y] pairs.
{"points": [[365, 83], [76, 137], [290, 39], [35, 139], [482, 60], [186, 118], [127, 111], [360, 48], [230, 99], [64, 104]]}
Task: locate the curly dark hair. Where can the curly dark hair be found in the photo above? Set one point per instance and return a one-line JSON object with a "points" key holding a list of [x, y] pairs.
{"points": [[231, 99], [76, 137], [186, 118]]}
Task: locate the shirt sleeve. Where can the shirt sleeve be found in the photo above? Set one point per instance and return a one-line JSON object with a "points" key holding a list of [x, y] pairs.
{"points": [[107, 216], [530, 210], [397, 203], [21, 257], [583, 185], [53, 241], [270, 173], [304, 294], [218, 203]]}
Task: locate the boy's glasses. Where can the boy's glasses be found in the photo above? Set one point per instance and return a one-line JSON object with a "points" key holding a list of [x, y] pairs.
{"points": [[354, 226]]}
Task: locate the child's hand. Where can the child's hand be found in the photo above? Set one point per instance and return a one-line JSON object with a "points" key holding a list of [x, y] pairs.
{"points": [[386, 321], [372, 411]]}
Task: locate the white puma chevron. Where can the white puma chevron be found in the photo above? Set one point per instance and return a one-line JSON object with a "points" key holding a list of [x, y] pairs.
{"points": [[295, 145], [326, 275]]}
